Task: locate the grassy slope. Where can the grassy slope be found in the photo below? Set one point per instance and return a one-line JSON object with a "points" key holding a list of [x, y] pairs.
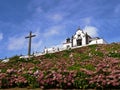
{"points": [[69, 60], [81, 58]]}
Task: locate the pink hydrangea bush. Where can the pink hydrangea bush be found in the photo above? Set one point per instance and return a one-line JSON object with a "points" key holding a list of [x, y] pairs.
{"points": [[52, 79], [107, 74]]}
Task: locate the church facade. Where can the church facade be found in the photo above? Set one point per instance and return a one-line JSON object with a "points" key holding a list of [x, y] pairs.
{"points": [[81, 38]]}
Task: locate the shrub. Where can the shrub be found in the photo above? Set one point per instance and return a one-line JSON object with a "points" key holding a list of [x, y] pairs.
{"points": [[52, 79], [3, 80], [14, 58], [113, 54], [84, 57], [75, 67], [23, 60], [4, 83], [81, 56], [89, 67], [80, 81], [31, 80], [106, 74], [92, 46], [50, 56], [98, 53], [3, 70], [66, 53], [20, 81]]}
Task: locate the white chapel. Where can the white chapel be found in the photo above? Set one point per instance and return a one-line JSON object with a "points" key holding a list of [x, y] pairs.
{"points": [[81, 38]]}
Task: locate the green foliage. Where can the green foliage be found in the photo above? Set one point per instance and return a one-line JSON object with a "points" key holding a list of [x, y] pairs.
{"points": [[36, 61], [92, 46], [32, 60], [98, 53], [35, 68], [32, 82], [20, 84], [89, 67], [4, 83], [80, 81], [94, 51], [74, 67], [78, 67], [54, 69], [23, 60], [84, 57], [115, 55], [67, 53], [50, 56], [76, 55], [14, 59], [113, 47], [3, 70]]}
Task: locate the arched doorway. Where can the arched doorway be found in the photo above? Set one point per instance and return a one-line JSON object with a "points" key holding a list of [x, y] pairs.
{"points": [[79, 42]]}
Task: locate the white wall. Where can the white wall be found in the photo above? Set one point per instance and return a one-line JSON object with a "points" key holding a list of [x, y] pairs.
{"points": [[67, 44], [97, 41], [5, 60]]}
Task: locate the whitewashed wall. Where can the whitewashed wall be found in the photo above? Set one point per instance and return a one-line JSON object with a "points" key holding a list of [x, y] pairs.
{"points": [[98, 41], [65, 45]]}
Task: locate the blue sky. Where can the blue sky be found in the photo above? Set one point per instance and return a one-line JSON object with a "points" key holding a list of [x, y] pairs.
{"points": [[53, 21]]}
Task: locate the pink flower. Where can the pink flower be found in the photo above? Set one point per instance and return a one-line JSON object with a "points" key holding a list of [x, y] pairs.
{"points": [[68, 83]]}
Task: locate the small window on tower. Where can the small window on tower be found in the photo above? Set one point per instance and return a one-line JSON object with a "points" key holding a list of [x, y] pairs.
{"points": [[79, 36]]}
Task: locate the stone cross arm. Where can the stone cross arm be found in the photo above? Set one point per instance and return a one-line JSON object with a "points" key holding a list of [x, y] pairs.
{"points": [[30, 35]]}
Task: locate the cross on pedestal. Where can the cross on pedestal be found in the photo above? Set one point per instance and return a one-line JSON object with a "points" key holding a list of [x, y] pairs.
{"points": [[29, 44]]}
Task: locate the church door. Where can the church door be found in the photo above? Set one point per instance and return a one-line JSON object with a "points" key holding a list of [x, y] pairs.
{"points": [[79, 42]]}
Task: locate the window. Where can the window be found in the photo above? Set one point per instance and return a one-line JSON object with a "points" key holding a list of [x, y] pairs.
{"points": [[79, 35], [68, 46], [79, 42]]}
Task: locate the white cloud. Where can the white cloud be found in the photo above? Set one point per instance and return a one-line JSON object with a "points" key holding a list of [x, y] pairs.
{"points": [[16, 43], [52, 31], [92, 31], [117, 9], [1, 36], [37, 33], [36, 45], [87, 20], [56, 17], [39, 10]]}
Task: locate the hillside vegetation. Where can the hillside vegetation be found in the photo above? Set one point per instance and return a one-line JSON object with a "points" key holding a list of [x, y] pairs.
{"points": [[94, 66]]}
